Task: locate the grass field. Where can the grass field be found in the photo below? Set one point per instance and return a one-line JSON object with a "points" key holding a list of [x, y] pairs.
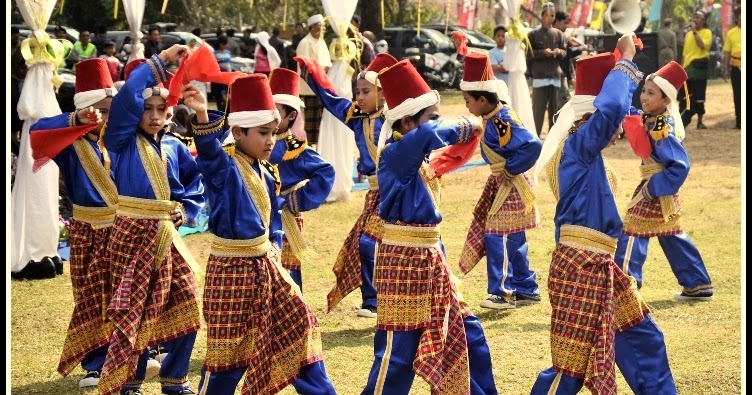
{"points": [[704, 339]]}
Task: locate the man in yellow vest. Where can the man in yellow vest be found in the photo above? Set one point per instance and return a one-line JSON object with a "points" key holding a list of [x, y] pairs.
{"points": [[732, 62], [60, 35], [83, 48]]}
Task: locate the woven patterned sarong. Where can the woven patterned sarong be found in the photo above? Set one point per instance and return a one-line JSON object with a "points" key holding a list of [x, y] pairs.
{"points": [[510, 218], [347, 266], [416, 291], [257, 318], [591, 299], [90, 277], [154, 300], [289, 260], [646, 218]]}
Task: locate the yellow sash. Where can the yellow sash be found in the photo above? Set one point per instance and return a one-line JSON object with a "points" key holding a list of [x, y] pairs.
{"points": [[255, 187], [523, 187], [294, 235], [98, 173]]}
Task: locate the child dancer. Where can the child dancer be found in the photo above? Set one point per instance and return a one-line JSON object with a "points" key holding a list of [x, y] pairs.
{"points": [[155, 295], [258, 323], [354, 265], [506, 207], [306, 177], [423, 326], [655, 207], [597, 317], [85, 167]]}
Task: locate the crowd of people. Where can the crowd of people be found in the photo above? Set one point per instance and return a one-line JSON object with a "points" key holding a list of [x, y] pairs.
{"points": [[134, 176]]}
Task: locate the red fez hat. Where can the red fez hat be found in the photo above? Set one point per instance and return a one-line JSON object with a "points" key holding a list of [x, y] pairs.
{"points": [[381, 61], [477, 68], [95, 73], [95, 83], [402, 83], [132, 65], [591, 71], [673, 74], [284, 82], [251, 93]]}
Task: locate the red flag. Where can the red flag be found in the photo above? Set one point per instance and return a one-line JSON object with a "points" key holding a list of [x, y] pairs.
{"points": [[727, 16], [202, 66], [453, 157], [47, 143], [316, 71], [467, 11], [579, 14], [637, 136]]}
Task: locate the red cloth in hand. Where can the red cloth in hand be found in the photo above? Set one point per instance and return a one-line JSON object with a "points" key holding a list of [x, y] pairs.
{"points": [[453, 157], [202, 66], [47, 143], [637, 136], [637, 43], [314, 69]]}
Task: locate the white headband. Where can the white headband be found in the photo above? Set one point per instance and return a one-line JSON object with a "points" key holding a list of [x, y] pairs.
{"points": [[249, 119], [372, 77], [673, 107], [289, 100], [149, 92], [85, 99], [409, 107], [498, 87]]}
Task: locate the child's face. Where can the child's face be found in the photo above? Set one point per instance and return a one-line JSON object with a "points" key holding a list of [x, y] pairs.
{"points": [[501, 38], [258, 141], [475, 106], [155, 115], [367, 95], [104, 109], [287, 118], [652, 99]]}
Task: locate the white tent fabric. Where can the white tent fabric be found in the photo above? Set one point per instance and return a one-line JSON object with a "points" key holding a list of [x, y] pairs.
{"points": [[516, 64], [34, 200], [134, 13], [336, 141]]}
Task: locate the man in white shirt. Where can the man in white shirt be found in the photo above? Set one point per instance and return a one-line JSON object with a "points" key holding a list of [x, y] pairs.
{"points": [[313, 46]]}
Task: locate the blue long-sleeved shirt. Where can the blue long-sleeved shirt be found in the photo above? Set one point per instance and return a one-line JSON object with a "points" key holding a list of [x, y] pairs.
{"points": [[302, 164], [520, 150]]}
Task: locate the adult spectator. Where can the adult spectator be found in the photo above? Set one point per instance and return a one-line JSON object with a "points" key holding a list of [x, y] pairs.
{"points": [[364, 45], [696, 61], [681, 31], [223, 56], [666, 43], [278, 45], [313, 46], [548, 47], [247, 44], [232, 42], [153, 43], [498, 54], [60, 35], [83, 48], [732, 62], [574, 49], [100, 38], [298, 36], [370, 36]]}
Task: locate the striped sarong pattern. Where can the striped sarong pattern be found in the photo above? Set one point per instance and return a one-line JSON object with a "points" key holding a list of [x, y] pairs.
{"points": [[646, 219]]}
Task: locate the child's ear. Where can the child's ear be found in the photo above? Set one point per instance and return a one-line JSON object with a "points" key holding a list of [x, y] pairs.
{"points": [[292, 115], [406, 123], [236, 131]]}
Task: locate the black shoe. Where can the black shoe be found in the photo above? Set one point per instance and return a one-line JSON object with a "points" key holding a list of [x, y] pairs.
{"points": [[36, 270], [701, 126], [58, 264], [90, 380], [522, 299], [701, 295], [497, 302], [184, 391]]}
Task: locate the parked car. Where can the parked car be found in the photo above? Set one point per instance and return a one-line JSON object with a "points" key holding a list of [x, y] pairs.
{"points": [[70, 33], [475, 39]]}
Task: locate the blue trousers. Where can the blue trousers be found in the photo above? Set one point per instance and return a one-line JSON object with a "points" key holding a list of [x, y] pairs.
{"points": [[367, 248], [174, 371], [682, 255], [297, 277], [94, 359], [398, 360], [640, 353], [313, 380], [507, 264]]}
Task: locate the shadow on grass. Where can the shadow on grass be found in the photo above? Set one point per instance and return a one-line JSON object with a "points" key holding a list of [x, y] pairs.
{"points": [[669, 304], [351, 337], [56, 385]]}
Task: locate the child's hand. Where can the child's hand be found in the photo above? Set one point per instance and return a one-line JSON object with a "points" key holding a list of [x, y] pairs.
{"points": [[626, 46], [174, 53], [193, 98], [88, 116], [476, 125]]}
